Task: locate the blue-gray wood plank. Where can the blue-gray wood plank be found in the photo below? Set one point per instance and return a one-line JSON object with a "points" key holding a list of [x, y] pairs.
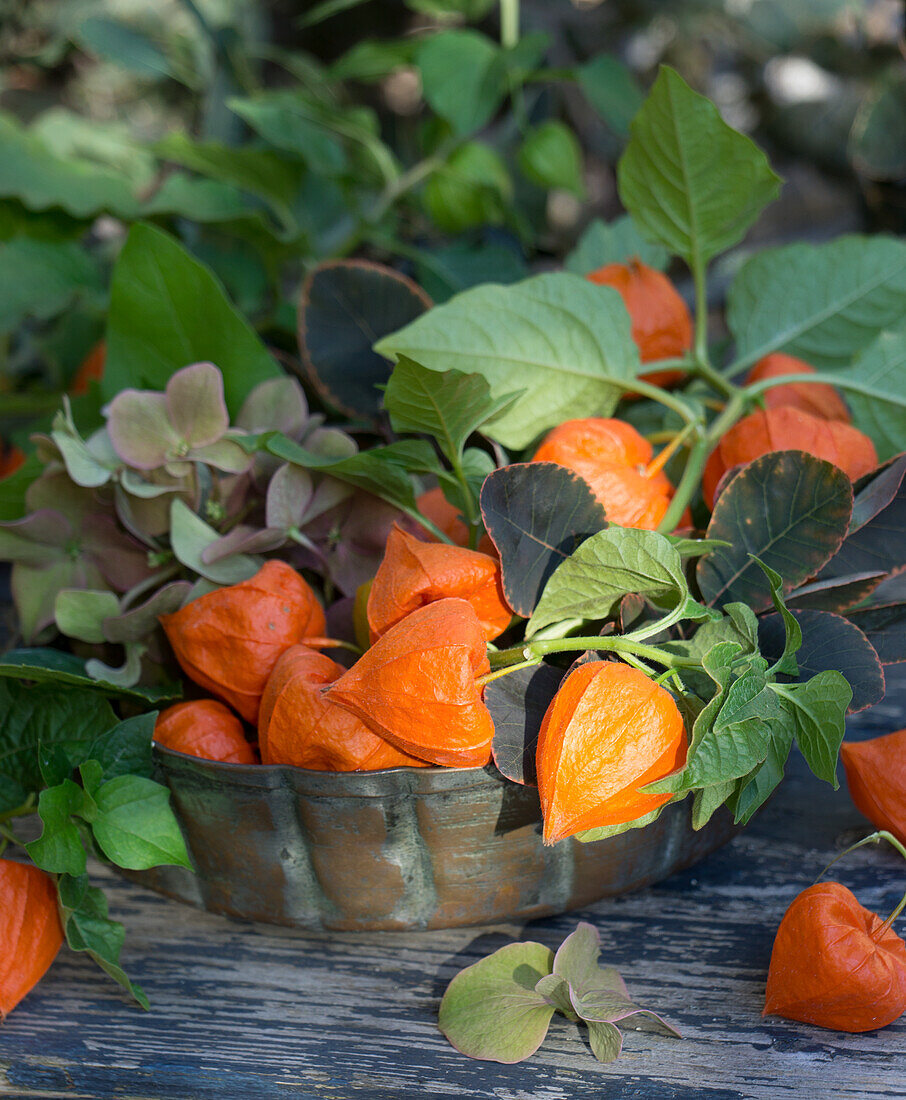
{"points": [[248, 1011]]}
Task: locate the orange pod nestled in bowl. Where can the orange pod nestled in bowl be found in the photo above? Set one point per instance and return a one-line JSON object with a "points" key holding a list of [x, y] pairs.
{"points": [[608, 732], [815, 398], [835, 964], [876, 775], [228, 641], [612, 458], [415, 573], [300, 725], [661, 322], [30, 930], [416, 686], [205, 728], [788, 429]]}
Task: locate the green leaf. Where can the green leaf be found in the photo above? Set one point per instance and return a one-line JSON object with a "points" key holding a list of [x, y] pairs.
{"points": [[83, 909], [823, 303], [787, 508], [190, 536], [491, 1010], [53, 666], [605, 1039], [818, 708], [550, 156], [785, 665], [40, 278], [880, 412], [449, 269], [126, 46], [449, 406], [167, 311], [383, 471], [370, 60], [462, 78], [612, 90], [135, 826], [555, 992], [286, 120], [615, 242], [603, 832], [470, 10], [689, 180], [708, 800], [754, 790], [877, 142], [125, 749], [471, 188], [80, 613], [606, 567], [576, 962], [31, 172], [559, 338], [59, 848], [42, 717], [537, 514]]}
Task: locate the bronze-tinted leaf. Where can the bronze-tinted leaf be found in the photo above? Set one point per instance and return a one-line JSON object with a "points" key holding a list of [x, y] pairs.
{"points": [[346, 307], [517, 703]]}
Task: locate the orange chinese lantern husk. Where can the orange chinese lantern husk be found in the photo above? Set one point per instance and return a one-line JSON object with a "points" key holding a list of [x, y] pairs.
{"points": [[90, 370], [30, 930], [416, 686], [816, 398], [300, 725], [205, 728], [415, 573], [788, 429], [876, 775], [661, 322], [611, 456], [608, 732], [835, 965], [228, 641]]}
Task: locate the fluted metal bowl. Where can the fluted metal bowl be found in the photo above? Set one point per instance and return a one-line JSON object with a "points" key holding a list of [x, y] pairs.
{"points": [[405, 848]]}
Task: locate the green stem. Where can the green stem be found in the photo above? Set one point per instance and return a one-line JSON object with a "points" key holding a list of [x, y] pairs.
{"points": [[9, 836], [490, 677], [689, 482], [701, 312], [756, 389], [509, 23], [540, 648], [874, 838], [20, 811], [663, 397]]}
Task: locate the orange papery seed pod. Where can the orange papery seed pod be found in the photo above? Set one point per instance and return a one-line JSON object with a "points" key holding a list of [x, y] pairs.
{"points": [[816, 398], [876, 776], [30, 930], [416, 687], [205, 728], [608, 732], [228, 641]]}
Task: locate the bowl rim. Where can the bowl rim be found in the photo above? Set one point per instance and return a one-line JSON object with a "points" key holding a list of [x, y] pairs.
{"points": [[310, 781]]}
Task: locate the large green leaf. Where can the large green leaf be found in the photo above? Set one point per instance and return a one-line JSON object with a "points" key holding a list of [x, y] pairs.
{"points": [[42, 665], [605, 568], [40, 278], [167, 311], [818, 708], [537, 514], [612, 90], [559, 338], [787, 508], [689, 180], [823, 303], [41, 718], [287, 121], [471, 188], [491, 1009], [127, 46], [879, 405], [32, 172], [462, 77], [615, 242]]}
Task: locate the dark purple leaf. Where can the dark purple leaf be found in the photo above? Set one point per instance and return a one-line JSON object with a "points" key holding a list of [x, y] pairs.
{"points": [[829, 642], [346, 306], [517, 703], [835, 593], [877, 538], [537, 514], [885, 627]]}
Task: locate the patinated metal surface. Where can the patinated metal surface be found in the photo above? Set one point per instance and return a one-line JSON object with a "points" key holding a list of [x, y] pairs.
{"points": [[397, 849]]}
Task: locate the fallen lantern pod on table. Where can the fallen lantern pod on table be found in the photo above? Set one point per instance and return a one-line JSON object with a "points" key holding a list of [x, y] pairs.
{"points": [[406, 848]]}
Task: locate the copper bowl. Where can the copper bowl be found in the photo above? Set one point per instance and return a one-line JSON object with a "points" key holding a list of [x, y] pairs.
{"points": [[405, 848]]}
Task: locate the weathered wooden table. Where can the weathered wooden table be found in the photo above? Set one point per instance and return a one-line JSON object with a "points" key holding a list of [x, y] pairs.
{"points": [[250, 1011]]}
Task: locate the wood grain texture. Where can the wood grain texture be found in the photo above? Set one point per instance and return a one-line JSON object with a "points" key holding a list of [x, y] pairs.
{"points": [[250, 1011]]}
